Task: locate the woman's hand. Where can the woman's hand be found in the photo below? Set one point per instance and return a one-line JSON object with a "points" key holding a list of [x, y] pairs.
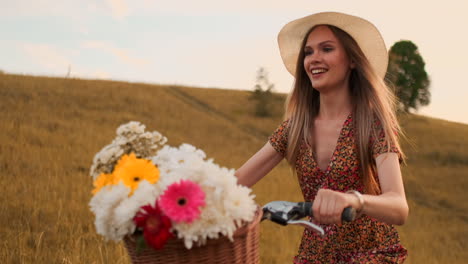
{"points": [[328, 206]]}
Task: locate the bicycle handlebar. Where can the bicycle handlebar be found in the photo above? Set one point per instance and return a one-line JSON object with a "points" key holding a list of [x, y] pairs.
{"points": [[284, 213]]}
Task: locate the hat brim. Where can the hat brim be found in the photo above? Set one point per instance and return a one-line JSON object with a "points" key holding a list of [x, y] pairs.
{"points": [[364, 33]]}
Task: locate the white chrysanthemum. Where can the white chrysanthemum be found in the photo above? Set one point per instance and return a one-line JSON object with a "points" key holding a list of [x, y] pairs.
{"points": [[170, 158], [123, 214], [211, 225], [217, 177], [115, 210], [103, 205], [239, 204]]}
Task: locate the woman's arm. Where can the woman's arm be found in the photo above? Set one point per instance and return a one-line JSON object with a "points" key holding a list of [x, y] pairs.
{"points": [[389, 207], [258, 165]]}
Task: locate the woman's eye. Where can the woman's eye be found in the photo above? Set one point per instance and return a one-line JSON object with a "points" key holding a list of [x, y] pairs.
{"points": [[327, 49], [307, 52]]}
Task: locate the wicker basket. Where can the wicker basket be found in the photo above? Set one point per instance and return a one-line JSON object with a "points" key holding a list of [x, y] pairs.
{"points": [[244, 249]]}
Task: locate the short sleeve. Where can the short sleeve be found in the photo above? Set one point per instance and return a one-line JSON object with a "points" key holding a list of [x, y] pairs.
{"points": [[279, 138], [380, 145]]}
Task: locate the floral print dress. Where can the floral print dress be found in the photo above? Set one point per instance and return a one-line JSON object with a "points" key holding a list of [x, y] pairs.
{"points": [[364, 240]]}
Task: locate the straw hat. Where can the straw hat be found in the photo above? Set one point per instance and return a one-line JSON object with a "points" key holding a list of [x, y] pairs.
{"points": [[364, 33]]}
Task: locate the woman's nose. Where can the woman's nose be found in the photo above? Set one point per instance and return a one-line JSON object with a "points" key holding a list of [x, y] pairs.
{"points": [[316, 56]]}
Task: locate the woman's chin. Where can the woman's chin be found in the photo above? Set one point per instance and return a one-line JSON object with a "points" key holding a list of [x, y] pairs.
{"points": [[319, 87]]}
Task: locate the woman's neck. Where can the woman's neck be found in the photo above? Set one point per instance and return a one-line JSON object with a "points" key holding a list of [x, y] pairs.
{"points": [[335, 105]]}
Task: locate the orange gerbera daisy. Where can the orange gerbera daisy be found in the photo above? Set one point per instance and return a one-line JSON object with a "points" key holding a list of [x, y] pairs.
{"points": [[102, 180], [132, 170]]}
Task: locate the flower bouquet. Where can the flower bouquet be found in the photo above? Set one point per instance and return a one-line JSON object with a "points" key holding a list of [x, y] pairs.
{"points": [[169, 202]]}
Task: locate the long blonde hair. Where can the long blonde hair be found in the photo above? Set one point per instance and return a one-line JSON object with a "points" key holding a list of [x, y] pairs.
{"points": [[371, 99]]}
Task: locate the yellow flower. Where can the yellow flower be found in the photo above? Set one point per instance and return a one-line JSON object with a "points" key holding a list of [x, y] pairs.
{"points": [[131, 170], [103, 180]]}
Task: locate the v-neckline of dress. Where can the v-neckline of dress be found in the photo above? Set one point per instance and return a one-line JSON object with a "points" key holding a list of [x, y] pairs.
{"points": [[338, 141]]}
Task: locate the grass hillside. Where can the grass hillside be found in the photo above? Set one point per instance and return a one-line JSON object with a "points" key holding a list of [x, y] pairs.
{"points": [[50, 129]]}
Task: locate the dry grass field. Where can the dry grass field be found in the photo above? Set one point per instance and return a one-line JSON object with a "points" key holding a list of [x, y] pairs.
{"points": [[50, 128]]}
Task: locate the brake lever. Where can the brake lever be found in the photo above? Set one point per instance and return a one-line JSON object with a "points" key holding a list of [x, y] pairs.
{"points": [[288, 213], [308, 225]]}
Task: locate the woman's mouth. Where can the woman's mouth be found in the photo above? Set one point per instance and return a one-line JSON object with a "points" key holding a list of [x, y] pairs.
{"points": [[318, 72]]}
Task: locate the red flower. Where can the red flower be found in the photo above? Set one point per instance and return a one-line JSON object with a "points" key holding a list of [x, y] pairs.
{"points": [[155, 225]]}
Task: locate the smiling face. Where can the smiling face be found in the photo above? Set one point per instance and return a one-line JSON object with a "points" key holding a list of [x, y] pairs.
{"points": [[325, 60]]}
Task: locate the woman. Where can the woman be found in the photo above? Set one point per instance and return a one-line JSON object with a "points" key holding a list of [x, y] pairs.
{"points": [[340, 137]]}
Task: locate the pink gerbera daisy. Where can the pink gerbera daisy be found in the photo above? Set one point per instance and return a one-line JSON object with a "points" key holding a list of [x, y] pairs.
{"points": [[182, 201]]}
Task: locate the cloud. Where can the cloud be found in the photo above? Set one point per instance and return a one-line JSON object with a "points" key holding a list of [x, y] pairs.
{"points": [[47, 56], [37, 8], [71, 9], [121, 54], [119, 8], [52, 60], [100, 74]]}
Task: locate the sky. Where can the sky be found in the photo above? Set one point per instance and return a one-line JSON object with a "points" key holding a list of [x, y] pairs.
{"points": [[216, 43]]}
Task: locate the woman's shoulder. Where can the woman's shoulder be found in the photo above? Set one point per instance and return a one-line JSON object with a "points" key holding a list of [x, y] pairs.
{"points": [[284, 125], [279, 138]]}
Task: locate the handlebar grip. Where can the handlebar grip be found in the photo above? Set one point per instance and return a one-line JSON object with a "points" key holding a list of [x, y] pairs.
{"points": [[306, 208], [348, 215]]}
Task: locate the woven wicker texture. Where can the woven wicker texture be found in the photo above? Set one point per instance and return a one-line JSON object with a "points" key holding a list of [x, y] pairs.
{"points": [[244, 249]]}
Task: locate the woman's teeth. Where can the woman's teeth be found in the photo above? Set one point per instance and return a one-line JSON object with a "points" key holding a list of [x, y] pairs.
{"points": [[315, 71]]}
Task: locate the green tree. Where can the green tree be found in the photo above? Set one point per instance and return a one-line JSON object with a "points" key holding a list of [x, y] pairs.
{"points": [[406, 74], [263, 94]]}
